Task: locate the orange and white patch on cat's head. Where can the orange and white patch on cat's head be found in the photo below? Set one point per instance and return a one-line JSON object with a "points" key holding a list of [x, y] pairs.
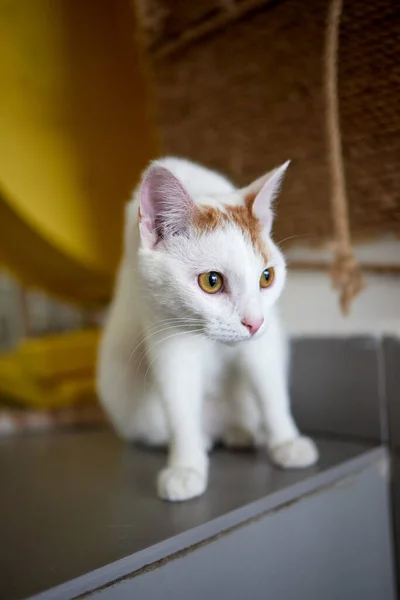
{"points": [[166, 208], [228, 234]]}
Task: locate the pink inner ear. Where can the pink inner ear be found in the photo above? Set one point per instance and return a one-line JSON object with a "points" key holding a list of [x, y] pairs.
{"points": [[146, 208], [146, 216], [165, 206], [264, 191]]}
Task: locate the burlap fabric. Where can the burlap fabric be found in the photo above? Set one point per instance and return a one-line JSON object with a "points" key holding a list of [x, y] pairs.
{"points": [[242, 85]]}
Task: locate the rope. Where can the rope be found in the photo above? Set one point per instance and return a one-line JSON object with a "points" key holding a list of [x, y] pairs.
{"points": [[346, 274]]}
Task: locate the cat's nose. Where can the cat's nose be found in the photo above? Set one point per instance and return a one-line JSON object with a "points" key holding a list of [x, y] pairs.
{"points": [[253, 325]]}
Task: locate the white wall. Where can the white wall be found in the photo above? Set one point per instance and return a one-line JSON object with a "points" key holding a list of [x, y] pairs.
{"points": [[310, 306]]}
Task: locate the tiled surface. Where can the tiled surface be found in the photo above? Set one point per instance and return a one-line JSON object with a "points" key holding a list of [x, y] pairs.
{"points": [[93, 500], [74, 503], [266, 558], [336, 386]]}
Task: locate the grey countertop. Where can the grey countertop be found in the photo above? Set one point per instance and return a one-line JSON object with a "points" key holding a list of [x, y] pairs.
{"points": [[80, 509]]}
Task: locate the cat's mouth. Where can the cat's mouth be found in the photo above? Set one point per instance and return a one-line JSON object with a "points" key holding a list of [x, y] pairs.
{"points": [[228, 339], [231, 337]]}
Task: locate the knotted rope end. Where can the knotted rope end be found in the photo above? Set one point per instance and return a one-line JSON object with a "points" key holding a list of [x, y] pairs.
{"points": [[347, 278]]}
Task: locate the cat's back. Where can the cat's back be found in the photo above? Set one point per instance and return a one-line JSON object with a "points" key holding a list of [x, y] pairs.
{"points": [[197, 180]]}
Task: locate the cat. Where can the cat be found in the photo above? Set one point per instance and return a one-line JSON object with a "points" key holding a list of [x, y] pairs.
{"points": [[193, 352]]}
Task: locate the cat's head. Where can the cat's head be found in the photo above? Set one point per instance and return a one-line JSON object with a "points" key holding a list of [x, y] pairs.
{"points": [[210, 266]]}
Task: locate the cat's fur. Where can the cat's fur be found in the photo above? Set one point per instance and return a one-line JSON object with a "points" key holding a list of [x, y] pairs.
{"points": [[177, 366]]}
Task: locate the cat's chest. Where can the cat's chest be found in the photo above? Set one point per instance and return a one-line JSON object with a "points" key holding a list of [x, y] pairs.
{"points": [[218, 363]]}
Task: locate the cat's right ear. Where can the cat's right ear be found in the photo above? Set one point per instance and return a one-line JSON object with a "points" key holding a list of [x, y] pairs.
{"points": [[261, 194], [165, 207]]}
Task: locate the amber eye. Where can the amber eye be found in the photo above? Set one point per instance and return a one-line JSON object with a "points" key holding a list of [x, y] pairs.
{"points": [[210, 282], [267, 277]]}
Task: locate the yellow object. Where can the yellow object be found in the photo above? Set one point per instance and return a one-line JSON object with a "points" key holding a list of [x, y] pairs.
{"points": [[74, 137], [58, 356], [51, 372]]}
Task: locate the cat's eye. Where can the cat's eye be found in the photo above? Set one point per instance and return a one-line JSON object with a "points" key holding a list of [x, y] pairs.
{"points": [[211, 282], [267, 277]]}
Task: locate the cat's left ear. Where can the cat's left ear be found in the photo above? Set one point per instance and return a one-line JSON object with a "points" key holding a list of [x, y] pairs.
{"points": [[260, 194]]}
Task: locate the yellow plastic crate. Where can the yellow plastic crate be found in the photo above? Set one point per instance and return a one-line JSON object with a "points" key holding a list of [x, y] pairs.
{"points": [[58, 356], [51, 372]]}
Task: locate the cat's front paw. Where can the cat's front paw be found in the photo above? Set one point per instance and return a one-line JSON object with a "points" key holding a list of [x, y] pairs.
{"points": [[177, 484], [296, 454]]}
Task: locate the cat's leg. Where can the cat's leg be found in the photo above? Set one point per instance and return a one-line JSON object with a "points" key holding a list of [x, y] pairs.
{"points": [[265, 367], [177, 370]]}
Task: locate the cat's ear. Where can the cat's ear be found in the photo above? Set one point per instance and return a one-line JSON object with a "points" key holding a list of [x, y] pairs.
{"points": [[165, 207], [260, 194]]}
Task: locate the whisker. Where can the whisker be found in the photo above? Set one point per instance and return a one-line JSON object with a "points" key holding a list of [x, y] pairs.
{"points": [[163, 340], [169, 320], [194, 333], [153, 333], [291, 237]]}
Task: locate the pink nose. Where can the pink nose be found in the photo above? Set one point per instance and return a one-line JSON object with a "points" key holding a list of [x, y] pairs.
{"points": [[253, 325]]}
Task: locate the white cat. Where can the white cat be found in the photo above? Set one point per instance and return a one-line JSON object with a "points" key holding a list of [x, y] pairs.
{"points": [[193, 351]]}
